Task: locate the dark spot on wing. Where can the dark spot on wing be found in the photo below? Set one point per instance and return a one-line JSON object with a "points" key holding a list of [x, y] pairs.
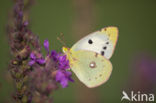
{"points": [[104, 47], [102, 53], [95, 77], [90, 41], [107, 42]]}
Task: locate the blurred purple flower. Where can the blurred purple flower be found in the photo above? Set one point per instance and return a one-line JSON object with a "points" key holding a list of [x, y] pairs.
{"points": [[144, 72], [63, 77], [40, 61], [35, 59], [46, 45], [31, 62], [147, 67], [54, 55], [32, 56], [25, 23], [63, 62], [20, 14]]}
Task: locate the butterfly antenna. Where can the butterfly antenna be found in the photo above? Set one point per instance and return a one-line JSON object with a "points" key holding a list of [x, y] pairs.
{"points": [[61, 39]]}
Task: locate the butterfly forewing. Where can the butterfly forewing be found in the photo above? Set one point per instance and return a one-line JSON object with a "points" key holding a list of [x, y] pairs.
{"points": [[103, 42]]}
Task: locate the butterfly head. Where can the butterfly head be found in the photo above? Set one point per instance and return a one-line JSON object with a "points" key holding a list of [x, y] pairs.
{"points": [[65, 50], [70, 54]]}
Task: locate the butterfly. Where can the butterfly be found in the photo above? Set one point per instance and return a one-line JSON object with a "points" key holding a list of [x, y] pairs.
{"points": [[89, 57]]}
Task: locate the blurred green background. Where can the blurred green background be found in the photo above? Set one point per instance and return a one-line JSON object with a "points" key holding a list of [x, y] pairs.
{"points": [[136, 20]]}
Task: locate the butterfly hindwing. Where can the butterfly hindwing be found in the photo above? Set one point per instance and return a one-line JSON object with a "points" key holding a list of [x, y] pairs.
{"points": [[91, 68], [102, 42]]}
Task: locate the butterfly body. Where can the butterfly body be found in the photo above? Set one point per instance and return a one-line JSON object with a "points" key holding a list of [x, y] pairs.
{"points": [[89, 57]]}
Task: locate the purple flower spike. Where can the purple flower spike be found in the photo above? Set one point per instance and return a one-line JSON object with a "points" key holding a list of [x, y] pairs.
{"points": [[46, 45]]}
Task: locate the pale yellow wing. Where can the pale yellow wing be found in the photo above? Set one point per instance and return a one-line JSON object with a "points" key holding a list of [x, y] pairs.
{"points": [[91, 68]]}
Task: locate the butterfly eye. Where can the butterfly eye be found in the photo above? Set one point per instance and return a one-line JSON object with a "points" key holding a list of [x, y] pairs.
{"points": [[90, 41], [92, 64]]}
